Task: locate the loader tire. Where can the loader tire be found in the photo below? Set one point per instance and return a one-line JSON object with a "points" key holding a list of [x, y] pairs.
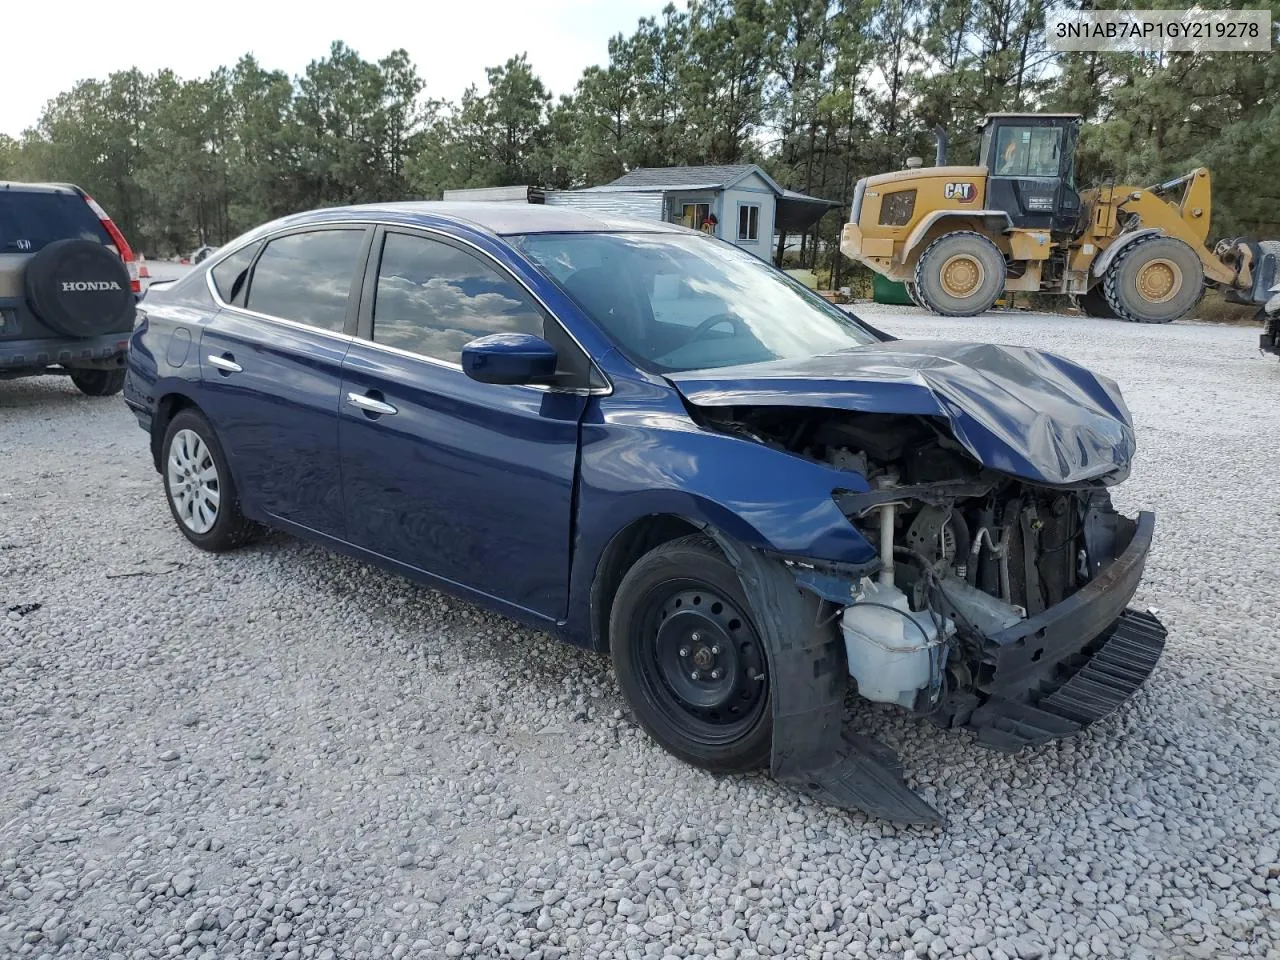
{"points": [[1094, 304], [1154, 280], [912, 295], [960, 274]]}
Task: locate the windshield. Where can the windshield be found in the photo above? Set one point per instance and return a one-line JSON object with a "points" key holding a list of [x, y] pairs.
{"points": [[1027, 151], [675, 302]]}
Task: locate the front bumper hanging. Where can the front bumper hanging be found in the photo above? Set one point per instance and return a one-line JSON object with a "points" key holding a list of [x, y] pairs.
{"points": [[1097, 682], [1046, 677], [1055, 673]]}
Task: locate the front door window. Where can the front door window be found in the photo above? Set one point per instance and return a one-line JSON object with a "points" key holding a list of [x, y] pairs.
{"points": [[432, 299]]}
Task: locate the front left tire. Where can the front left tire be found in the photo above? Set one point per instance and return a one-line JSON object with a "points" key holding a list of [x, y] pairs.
{"points": [[690, 659], [199, 487]]}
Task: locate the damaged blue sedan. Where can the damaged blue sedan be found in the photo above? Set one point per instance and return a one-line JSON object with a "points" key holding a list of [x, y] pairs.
{"points": [[656, 446]]}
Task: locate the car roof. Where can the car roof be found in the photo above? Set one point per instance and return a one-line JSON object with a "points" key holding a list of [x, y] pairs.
{"points": [[21, 187], [496, 217]]}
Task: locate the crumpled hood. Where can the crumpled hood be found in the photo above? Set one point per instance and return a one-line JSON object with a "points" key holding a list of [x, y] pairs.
{"points": [[1020, 411]]}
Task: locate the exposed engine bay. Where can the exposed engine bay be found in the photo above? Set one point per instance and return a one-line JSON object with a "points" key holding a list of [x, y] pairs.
{"points": [[965, 553]]}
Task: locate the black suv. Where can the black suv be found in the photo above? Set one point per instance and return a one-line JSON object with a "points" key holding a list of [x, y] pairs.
{"points": [[68, 287]]}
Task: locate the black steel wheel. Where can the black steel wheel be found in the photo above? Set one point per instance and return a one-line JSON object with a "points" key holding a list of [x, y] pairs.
{"points": [[689, 658]]}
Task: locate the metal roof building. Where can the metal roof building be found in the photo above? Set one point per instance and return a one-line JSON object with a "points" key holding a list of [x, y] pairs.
{"points": [[736, 202]]}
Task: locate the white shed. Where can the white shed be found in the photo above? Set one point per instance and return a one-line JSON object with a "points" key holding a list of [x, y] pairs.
{"points": [[736, 202]]}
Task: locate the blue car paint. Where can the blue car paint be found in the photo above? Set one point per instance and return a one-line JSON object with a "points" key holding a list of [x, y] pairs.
{"points": [[467, 481], [277, 419], [488, 458], [643, 455], [1020, 411], [154, 374], [509, 358]]}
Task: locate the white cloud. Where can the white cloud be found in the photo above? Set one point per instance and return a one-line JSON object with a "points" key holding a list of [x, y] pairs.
{"points": [[51, 48], [438, 317]]}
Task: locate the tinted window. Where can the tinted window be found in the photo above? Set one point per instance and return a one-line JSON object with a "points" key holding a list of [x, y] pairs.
{"points": [[229, 275], [306, 277], [31, 221], [433, 298]]}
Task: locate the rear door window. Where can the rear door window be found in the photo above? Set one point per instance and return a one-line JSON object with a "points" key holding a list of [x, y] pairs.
{"points": [[229, 275], [30, 221], [307, 277]]}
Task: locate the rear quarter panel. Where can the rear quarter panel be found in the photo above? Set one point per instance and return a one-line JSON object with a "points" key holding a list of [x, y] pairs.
{"points": [[163, 355]]}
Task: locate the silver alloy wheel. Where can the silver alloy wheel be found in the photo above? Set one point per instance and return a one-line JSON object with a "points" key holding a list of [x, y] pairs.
{"points": [[193, 482]]}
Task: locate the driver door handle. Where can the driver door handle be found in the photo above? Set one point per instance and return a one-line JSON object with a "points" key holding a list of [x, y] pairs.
{"points": [[369, 404]]}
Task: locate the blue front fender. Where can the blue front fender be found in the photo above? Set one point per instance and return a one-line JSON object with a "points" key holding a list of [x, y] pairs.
{"points": [[639, 463]]}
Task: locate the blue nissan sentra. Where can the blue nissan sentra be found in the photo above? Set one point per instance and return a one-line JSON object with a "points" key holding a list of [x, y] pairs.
{"points": [[655, 445]]}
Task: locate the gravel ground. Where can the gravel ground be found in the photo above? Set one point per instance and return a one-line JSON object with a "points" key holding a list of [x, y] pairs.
{"points": [[284, 753]]}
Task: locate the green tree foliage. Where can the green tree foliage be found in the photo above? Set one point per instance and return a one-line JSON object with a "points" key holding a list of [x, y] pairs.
{"points": [[820, 92]]}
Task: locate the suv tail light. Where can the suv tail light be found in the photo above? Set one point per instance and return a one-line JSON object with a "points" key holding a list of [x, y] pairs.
{"points": [[117, 238]]}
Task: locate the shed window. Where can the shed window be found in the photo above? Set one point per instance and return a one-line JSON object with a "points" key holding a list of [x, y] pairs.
{"points": [[749, 221], [695, 215]]}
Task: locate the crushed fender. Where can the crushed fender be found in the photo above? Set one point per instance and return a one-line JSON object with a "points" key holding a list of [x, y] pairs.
{"points": [[811, 750]]}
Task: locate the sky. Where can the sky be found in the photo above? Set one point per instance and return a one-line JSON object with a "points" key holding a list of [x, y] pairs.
{"points": [[451, 41]]}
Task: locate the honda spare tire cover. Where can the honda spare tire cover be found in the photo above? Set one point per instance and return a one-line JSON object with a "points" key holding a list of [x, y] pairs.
{"points": [[80, 289]]}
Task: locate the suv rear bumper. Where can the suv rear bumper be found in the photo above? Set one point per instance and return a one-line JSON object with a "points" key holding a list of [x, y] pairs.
{"points": [[104, 351]]}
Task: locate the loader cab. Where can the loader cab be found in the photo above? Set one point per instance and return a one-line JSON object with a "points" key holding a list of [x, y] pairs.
{"points": [[1030, 161]]}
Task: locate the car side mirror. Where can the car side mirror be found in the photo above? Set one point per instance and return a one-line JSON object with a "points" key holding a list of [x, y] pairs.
{"points": [[510, 358]]}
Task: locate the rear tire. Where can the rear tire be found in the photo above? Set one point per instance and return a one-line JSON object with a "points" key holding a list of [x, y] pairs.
{"points": [[98, 383], [912, 294], [690, 660], [1154, 280], [960, 274], [199, 487]]}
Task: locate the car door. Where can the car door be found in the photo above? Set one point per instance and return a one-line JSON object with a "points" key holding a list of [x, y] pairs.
{"points": [[467, 481], [271, 369]]}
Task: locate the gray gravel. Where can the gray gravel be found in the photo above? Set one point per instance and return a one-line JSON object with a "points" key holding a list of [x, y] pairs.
{"points": [[284, 753]]}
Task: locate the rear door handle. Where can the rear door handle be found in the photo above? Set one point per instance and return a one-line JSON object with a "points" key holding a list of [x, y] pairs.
{"points": [[370, 404], [225, 363]]}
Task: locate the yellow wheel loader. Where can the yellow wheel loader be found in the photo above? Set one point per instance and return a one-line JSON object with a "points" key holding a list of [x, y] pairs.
{"points": [[959, 237]]}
